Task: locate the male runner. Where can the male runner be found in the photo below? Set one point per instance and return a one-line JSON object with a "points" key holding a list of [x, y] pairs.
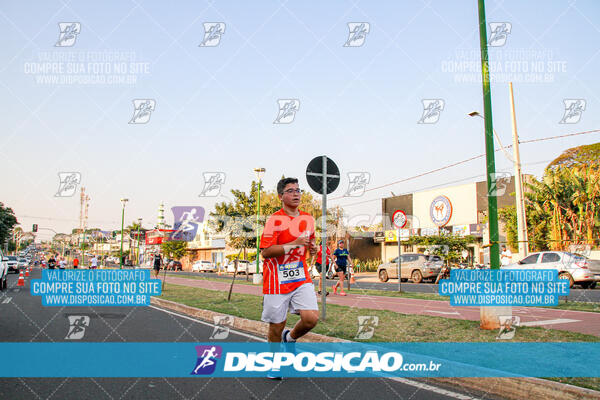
{"points": [[287, 287], [341, 258], [316, 260], [157, 261]]}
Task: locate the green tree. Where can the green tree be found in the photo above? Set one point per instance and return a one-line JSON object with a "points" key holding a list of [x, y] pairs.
{"points": [[585, 155], [174, 248], [450, 247], [7, 222]]}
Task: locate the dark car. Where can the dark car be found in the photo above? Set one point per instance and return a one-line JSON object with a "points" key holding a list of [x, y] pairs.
{"points": [[174, 265]]}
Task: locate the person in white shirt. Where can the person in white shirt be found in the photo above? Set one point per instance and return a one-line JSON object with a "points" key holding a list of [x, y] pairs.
{"points": [[94, 262], [506, 256], [62, 264]]}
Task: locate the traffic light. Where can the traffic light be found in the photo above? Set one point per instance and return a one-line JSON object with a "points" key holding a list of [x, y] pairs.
{"points": [[34, 228]]}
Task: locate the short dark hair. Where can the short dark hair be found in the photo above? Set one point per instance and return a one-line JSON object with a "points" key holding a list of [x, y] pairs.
{"points": [[284, 182]]}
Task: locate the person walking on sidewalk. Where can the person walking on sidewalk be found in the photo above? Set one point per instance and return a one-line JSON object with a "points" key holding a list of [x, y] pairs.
{"points": [[316, 261], [157, 261], [342, 261], [287, 237]]}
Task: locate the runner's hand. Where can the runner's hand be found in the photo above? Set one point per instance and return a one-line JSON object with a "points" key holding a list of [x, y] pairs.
{"points": [[302, 241]]}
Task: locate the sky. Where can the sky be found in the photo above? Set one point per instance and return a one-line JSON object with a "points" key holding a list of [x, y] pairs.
{"points": [[68, 103]]}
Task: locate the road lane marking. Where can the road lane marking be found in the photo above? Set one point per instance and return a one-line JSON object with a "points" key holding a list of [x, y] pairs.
{"points": [[7, 300], [549, 322]]}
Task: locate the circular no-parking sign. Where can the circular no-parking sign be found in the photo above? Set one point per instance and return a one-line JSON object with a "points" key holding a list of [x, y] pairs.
{"points": [[399, 219]]}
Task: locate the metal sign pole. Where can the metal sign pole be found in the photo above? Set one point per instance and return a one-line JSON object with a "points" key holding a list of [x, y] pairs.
{"points": [[399, 262], [324, 243]]}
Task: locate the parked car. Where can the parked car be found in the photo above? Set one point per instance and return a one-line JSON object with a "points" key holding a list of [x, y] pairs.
{"points": [[415, 266], [13, 263], [203, 266], [578, 269], [244, 267], [22, 262], [174, 265], [3, 270]]}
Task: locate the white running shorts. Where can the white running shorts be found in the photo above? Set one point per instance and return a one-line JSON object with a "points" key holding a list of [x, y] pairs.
{"points": [[277, 306]]}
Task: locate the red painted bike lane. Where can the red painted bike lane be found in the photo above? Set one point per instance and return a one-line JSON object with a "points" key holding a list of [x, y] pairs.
{"points": [[567, 320]]}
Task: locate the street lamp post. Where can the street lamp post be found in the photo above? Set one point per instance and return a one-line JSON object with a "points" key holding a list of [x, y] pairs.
{"points": [[124, 201], [257, 277], [520, 201], [138, 240]]}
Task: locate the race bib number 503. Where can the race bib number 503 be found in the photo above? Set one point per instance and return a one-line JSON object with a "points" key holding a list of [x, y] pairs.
{"points": [[291, 272]]}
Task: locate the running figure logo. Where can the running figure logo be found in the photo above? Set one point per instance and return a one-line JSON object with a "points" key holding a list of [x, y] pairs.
{"points": [[212, 34], [287, 111], [77, 325], [500, 181], [366, 326], [573, 110], [68, 33], [358, 182], [68, 183], [222, 325], [212, 184], [142, 109], [358, 33], [499, 33], [508, 324], [432, 109], [207, 359], [186, 220]]}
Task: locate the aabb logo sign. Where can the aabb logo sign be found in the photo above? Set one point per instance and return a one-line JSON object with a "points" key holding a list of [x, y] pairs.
{"points": [[207, 359], [440, 210]]}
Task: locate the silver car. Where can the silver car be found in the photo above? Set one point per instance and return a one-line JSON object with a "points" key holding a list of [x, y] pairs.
{"points": [[414, 266], [576, 268]]}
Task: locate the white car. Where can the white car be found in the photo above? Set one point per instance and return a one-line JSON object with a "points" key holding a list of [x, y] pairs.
{"points": [[3, 270], [570, 266], [203, 265], [22, 262], [244, 267]]}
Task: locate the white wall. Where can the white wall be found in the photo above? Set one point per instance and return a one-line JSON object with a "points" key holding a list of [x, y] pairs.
{"points": [[463, 199]]}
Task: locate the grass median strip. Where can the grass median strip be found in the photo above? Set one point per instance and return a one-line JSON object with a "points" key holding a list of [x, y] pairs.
{"points": [[342, 321], [563, 305]]}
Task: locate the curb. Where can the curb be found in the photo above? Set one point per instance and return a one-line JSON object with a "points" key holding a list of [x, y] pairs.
{"points": [[508, 388]]}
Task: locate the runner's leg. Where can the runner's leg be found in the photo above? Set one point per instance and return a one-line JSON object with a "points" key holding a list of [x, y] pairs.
{"points": [[308, 320], [275, 330]]}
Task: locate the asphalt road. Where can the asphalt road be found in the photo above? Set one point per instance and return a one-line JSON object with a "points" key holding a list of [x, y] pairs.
{"points": [[24, 319], [576, 294]]}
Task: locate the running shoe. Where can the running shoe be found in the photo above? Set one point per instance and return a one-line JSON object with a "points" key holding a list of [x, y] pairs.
{"points": [[288, 346], [334, 289], [342, 293]]}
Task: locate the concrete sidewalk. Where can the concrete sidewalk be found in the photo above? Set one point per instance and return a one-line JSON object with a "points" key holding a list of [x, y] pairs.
{"points": [[573, 321]]}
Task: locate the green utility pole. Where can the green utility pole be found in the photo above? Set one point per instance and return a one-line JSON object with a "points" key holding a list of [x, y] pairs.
{"points": [[489, 142], [122, 223], [258, 230]]}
